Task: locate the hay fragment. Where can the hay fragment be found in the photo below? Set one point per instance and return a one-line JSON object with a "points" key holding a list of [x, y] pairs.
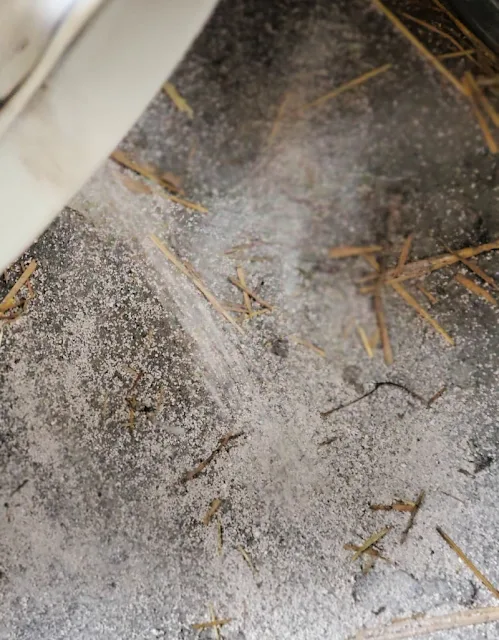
{"points": [[252, 294], [309, 345], [214, 507], [475, 106], [404, 254], [412, 518], [365, 341], [19, 284]]}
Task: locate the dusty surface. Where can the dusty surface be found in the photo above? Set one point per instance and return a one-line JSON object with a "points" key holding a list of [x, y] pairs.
{"points": [[100, 537]]}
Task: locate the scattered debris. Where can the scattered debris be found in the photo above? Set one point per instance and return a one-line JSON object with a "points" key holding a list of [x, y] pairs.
{"points": [[309, 345], [377, 385], [345, 87], [247, 559], [485, 581], [180, 102], [421, 626], [376, 537], [252, 294], [222, 443], [426, 25], [151, 174], [414, 512], [475, 288], [198, 283], [365, 341], [214, 507]]}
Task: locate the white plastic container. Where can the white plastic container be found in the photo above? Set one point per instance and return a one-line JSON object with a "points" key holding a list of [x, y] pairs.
{"points": [[74, 77]]}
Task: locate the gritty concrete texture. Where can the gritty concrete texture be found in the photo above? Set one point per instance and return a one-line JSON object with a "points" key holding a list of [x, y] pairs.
{"points": [[100, 536]]}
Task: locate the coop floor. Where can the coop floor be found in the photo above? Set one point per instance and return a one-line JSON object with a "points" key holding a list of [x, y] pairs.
{"points": [[101, 532]]}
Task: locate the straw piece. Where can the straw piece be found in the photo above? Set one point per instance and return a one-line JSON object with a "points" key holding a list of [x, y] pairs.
{"points": [[348, 252], [419, 46], [220, 536], [475, 288], [146, 172], [404, 254], [483, 579], [414, 512], [222, 444], [475, 106], [456, 54], [253, 295], [199, 626], [214, 507], [198, 283], [431, 298], [469, 34], [416, 627], [135, 186], [487, 105], [365, 341], [247, 559], [345, 87], [411, 301], [310, 345], [472, 266], [246, 298], [436, 30], [383, 329], [276, 125], [6, 303], [176, 98], [376, 537]]}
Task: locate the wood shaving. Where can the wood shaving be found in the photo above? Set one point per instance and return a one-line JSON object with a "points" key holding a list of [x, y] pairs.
{"points": [[419, 46], [309, 345], [483, 579], [180, 102], [345, 87], [416, 627], [214, 507], [198, 283], [376, 537], [475, 288], [348, 252]]}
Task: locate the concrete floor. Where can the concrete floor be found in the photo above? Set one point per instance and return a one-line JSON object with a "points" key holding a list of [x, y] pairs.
{"points": [[101, 539]]}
